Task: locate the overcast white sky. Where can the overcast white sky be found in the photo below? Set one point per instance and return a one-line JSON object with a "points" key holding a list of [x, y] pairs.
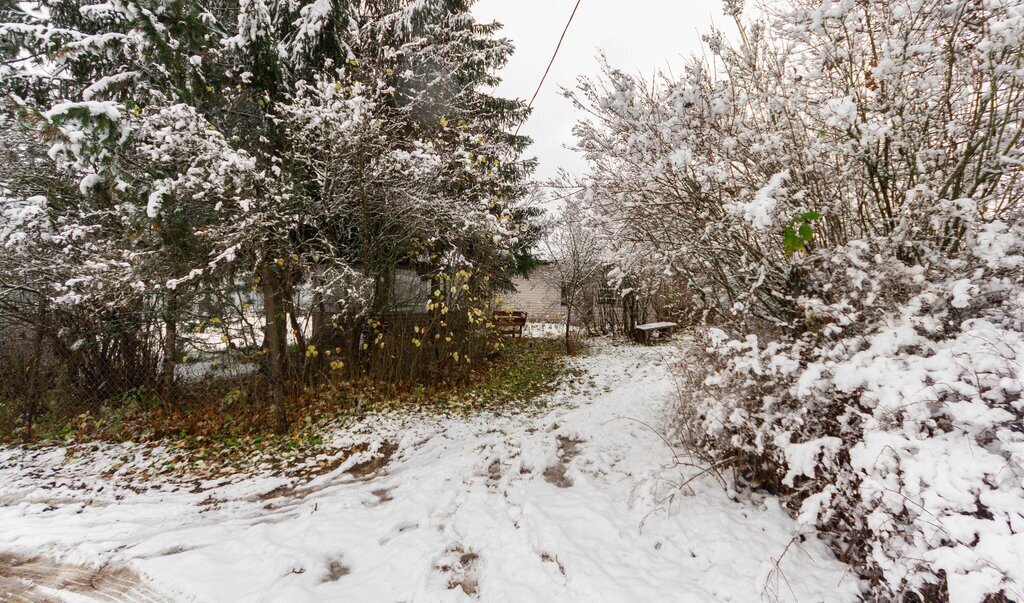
{"points": [[639, 36]]}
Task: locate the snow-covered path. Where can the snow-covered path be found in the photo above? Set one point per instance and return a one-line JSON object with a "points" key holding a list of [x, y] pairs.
{"points": [[565, 506]]}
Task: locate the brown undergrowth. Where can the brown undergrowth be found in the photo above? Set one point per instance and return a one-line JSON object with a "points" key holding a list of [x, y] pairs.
{"points": [[208, 436]]}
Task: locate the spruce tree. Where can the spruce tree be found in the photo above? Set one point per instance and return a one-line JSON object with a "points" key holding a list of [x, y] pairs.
{"points": [[273, 138]]}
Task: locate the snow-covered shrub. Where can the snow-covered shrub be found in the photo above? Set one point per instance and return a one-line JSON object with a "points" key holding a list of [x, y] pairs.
{"points": [[842, 191], [894, 422]]}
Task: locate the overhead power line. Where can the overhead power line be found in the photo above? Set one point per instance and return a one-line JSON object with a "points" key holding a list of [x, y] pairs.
{"points": [[550, 63]]}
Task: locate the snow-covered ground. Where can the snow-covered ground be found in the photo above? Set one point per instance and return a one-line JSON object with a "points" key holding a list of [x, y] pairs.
{"points": [[576, 504]]}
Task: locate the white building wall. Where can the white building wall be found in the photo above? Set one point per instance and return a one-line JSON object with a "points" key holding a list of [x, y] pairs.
{"points": [[412, 291], [539, 296]]}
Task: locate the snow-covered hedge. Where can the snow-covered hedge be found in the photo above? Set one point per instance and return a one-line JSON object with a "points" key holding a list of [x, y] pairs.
{"points": [[895, 423]]}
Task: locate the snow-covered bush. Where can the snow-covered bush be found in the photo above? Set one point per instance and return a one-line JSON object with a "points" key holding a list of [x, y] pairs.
{"points": [[893, 421], [842, 192]]}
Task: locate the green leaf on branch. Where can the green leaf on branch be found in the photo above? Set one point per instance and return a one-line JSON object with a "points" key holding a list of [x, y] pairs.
{"points": [[798, 236]]}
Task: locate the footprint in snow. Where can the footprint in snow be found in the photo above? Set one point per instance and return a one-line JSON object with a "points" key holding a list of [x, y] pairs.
{"points": [[336, 570], [461, 567], [380, 496], [568, 449]]}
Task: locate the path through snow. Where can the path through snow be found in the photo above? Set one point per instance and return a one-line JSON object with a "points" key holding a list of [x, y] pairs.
{"points": [[518, 508]]}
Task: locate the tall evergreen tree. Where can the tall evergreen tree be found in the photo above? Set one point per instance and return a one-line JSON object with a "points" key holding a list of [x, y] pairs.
{"points": [[277, 138]]}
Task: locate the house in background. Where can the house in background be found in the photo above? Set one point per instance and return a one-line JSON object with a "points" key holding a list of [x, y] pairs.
{"points": [[539, 295], [542, 296]]}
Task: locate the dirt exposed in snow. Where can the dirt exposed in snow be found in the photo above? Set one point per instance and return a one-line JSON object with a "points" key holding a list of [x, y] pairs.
{"points": [[374, 464], [568, 449], [37, 578], [336, 570], [580, 503]]}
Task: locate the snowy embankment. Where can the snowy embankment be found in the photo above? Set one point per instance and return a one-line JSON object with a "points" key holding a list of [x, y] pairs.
{"points": [[574, 504]]}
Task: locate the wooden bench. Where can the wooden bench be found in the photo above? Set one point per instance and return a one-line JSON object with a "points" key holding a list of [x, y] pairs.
{"points": [[510, 322], [646, 334]]}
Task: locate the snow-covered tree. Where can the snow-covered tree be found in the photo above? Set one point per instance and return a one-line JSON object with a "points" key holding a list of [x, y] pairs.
{"points": [[271, 139], [574, 250]]}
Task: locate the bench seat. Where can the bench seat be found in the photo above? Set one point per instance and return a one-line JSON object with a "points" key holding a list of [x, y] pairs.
{"points": [[510, 322], [647, 333]]}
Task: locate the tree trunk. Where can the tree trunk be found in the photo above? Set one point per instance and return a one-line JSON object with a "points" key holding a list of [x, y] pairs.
{"points": [[33, 374], [318, 335], [629, 313], [273, 313], [383, 291], [170, 350], [319, 316], [568, 321], [291, 309]]}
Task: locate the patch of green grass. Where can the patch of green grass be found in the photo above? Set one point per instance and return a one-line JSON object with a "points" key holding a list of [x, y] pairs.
{"points": [[528, 370]]}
